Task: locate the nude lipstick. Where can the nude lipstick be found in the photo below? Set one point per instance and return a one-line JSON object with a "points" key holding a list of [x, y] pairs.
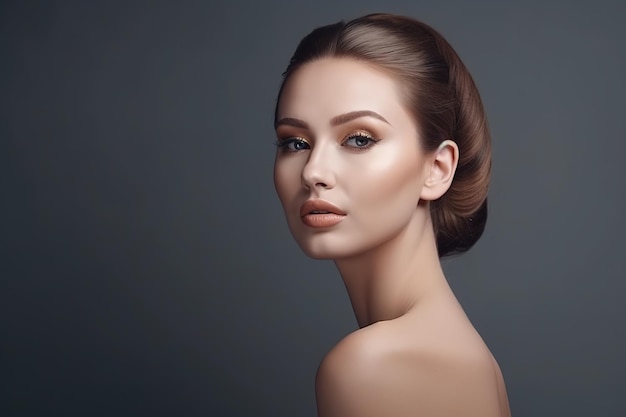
{"points": [[320, 213]]}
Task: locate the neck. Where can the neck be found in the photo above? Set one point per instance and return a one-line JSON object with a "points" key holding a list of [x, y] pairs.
{"points": [[395, 277]]}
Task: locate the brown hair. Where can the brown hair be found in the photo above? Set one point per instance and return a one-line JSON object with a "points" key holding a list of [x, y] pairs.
{"points": [[439, 92]]}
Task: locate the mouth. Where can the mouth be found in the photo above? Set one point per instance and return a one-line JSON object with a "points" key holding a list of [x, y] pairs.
{"points": [[316, 207], [320, 213]]}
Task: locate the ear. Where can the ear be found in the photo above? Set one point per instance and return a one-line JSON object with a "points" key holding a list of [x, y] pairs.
{"points": [[440, 170]]}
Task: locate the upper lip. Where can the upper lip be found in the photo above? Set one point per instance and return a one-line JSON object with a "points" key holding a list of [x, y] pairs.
{"points": [[319, 205]]}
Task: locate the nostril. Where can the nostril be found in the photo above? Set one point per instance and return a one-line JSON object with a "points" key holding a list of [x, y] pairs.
{"points": [[317, 174]]}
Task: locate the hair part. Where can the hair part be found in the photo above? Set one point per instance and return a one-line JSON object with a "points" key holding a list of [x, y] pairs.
{"points": [[439, 93]]}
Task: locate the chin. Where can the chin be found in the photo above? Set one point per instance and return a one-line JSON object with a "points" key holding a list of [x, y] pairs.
{"points": [[317, 255], [320, 253], [340, 242], [327, 247], [313, 249]]}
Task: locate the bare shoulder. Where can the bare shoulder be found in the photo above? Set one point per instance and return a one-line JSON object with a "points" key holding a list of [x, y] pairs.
{"points": [[377, 371]]}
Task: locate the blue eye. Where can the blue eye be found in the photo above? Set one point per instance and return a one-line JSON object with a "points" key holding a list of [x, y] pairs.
{"points": [[359, 141], [292, 145]]}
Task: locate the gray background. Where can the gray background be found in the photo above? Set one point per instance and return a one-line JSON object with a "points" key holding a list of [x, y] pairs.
{"points": [[146, 267]]}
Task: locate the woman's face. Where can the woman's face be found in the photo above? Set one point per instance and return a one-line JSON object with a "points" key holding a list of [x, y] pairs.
{"points": [[345, 139]]}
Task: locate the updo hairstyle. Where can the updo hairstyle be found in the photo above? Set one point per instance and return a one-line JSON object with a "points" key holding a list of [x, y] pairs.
{"points": [[438, 91]]}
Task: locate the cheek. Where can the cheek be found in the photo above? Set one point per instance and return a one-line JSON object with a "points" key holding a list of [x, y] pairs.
{"points": [[389, 180], [286, 179]]}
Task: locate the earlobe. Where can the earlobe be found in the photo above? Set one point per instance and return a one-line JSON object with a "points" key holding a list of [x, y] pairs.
{"points": [[441, 169]]}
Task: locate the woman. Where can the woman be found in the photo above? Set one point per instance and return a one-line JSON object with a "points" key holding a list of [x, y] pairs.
{"points": [[383, 165]]}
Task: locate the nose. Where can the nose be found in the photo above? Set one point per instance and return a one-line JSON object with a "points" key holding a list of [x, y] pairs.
{"points": [[318, 171]]}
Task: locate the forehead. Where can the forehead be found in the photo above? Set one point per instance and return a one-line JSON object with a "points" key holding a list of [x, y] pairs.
{"points": [[321, 89]]}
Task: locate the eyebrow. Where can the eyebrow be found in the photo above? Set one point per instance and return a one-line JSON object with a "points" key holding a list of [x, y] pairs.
{"points": [[335, 121], [348, 117]]}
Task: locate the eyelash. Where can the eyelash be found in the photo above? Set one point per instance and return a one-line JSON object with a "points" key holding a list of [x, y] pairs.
{"points": [[283, 144], [361, 135]]}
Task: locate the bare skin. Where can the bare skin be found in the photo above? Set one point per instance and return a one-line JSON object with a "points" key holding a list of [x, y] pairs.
{"points": [[424, 358], [346, 139]]}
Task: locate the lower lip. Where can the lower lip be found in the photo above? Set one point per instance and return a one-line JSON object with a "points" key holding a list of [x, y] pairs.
{"points": [[322, 220]]}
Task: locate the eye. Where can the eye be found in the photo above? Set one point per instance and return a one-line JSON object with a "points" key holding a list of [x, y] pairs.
{"points": [[359, 140], [292, 144]]}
